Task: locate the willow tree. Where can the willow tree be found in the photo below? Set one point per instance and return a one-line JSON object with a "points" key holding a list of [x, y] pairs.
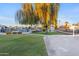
{"points": [[38, 12], [26, 15], [46, 13], [54, 8]]}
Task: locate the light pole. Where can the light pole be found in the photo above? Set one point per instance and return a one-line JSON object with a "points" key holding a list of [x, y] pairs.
{"points": [[73, 31]]}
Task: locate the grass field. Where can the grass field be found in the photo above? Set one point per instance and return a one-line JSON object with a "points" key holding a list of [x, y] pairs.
{"points": [[22, 45], [49, 33]]}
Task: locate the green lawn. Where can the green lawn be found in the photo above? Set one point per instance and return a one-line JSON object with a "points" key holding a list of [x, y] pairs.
{"points": [[49, 33], [22, 45]]}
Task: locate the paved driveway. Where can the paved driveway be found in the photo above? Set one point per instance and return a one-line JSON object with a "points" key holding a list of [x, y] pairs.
{"points": [[62, 45]]}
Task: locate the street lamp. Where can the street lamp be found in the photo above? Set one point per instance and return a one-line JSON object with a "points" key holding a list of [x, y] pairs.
{"points": [[73, 28]]}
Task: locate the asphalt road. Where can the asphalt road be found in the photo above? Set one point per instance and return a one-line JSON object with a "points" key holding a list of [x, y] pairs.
{"points": [[62, 45]]}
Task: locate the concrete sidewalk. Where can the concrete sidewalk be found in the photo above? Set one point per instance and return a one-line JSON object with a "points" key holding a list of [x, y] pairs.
{"points": [[62, 45]]}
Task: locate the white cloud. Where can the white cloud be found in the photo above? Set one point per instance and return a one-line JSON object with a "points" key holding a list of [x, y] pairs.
{"points": [[5, 18]]}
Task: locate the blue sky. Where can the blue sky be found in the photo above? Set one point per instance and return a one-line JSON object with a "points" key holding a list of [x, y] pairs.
{"points": [[7, 13], [67, 12]]}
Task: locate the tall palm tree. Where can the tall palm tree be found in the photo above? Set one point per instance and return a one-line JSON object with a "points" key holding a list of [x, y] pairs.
{"points": [[66, 25]]}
